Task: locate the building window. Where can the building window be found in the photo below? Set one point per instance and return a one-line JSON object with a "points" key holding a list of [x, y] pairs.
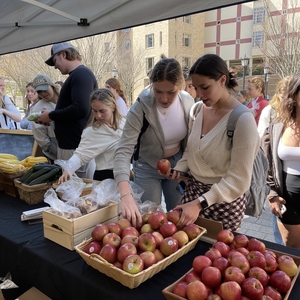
{"points": [[127, 45], [149, 64], [259, 15], [257, 38], [160, 38], [186, 40], [107, 47], [187, 19], [126, 30], [186, 62], [149, 40]]}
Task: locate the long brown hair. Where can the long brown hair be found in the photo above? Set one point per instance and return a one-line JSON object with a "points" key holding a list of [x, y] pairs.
{"points": [[115, 83]]}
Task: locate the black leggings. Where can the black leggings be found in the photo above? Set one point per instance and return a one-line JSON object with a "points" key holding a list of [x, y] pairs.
{"points": [[291, 194], [103, 174]]}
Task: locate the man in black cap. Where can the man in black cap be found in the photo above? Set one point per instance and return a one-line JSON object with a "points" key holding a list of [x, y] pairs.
{"points": [[73, 107]]}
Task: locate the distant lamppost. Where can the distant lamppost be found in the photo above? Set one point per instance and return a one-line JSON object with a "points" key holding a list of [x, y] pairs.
{"points": [[245, 62], [267, 76], [114, 73]]}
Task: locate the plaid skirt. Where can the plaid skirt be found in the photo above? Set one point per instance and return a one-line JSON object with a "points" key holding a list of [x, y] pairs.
{"points": [[230, 214]]}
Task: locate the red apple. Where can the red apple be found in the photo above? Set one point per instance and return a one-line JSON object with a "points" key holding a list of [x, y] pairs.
{"points": [[124, 223], [147, 242], [265, 297], [112, 239], [168, 246], [271, 263], [191, 276], [146, 216], [192, 230], [270, 291], [156, 219], [146, 228], [234, 274], [115, 228], [280, 281], [130, 238], [118, 265], [271, 252], [109, 253], [256, 259], [230, 290], [125, 250], [260, 274], [158, 255], [158, 238], [256, 245], [240, 240], [200, 262], [222, 264], [99, 232], [222, 247], [181, 237], [163, 165], [133, 264], [196, 290], [243, 250], [211, 276], [287, 264], [148, 258], [93, 247], [130, 230], [226, 236], [232, 253], [167, 229], [252, 288], [213, 253], [180, 289], [174, 216], [241, 262]]}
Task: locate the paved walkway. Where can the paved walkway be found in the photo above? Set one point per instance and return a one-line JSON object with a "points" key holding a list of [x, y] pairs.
{"points": [[259, 227]]}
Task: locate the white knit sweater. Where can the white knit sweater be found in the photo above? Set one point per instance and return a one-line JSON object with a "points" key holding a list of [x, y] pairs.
{"points": [[209, 160]]}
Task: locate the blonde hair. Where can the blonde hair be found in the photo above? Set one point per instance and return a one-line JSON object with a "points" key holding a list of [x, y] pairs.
{"points": [[282, 84], [106, 97], [115, 83], [258, 83]]}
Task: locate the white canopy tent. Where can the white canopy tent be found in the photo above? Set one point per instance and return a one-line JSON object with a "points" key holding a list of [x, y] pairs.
{"points": [[27, 24]]}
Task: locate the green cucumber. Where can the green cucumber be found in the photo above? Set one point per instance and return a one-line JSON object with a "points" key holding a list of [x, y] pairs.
{"points": [[26, 175], [39, 166], [36, 174], [45, 177]]}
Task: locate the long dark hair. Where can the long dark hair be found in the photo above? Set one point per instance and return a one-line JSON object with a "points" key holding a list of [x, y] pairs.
{"points": [[213, 66]]}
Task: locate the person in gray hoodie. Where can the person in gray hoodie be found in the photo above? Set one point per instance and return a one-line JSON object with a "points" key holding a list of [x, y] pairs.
{"points": [[165, 107]]}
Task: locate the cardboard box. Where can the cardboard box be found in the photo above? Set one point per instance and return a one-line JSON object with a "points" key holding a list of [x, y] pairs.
{"points": [[210, 237], [70, 232]]}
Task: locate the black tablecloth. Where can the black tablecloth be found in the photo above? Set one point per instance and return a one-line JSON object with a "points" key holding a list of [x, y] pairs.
{"points": [[63, 274]]}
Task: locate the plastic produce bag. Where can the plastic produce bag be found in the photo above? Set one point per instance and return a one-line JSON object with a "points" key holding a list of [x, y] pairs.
{"points": [[34, 116], [59, 207], [71, 189]]}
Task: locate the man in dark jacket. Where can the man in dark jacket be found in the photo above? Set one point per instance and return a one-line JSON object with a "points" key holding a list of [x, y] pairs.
{"points": [[73, 107]]}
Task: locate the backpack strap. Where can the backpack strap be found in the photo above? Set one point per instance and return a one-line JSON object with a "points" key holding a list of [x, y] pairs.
{"points": [[232, 120]]}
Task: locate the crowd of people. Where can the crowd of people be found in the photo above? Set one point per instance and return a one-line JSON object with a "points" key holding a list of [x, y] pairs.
{"points": [[180, 116]]}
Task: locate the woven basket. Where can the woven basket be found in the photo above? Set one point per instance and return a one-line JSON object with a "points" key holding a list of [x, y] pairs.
{"points": [[129, 280], [7, 183], [32, 194]]}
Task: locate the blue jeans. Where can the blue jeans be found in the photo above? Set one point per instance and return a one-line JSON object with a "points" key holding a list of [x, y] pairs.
{"points": [[154, 185], [277, 235]]}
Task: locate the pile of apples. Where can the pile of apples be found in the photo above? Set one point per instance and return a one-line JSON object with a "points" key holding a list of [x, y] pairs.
{"points": [[135, 249], [237, 268]]}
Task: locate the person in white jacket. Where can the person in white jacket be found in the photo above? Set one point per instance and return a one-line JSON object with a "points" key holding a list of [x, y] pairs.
{"points": [[99, 139]]}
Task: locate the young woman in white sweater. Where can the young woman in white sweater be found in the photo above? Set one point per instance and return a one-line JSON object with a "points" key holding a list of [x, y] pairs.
{"points": [[219, 176]]}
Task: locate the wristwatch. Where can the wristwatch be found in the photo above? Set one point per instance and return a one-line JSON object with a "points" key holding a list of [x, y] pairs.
{"points": [[203, 202]]}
